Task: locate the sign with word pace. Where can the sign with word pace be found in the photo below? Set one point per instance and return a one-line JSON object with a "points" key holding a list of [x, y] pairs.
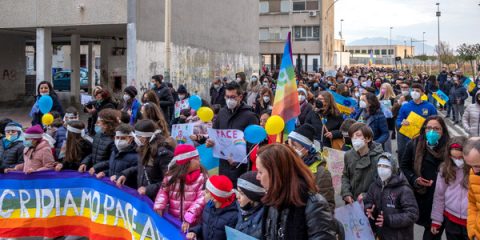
{"points": [[54, 204], [229, 144]]}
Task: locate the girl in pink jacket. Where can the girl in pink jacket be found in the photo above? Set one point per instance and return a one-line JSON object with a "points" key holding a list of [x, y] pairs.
{"points": [[182, 188], [450, 201]]}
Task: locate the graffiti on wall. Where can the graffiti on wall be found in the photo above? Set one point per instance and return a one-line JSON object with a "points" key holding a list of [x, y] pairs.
{"points": [[9, 75]]}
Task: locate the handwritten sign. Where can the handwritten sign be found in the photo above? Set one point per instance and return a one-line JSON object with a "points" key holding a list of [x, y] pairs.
{"points": [[335, 164], [413, 129], [355, 222], [180, 105], [182, 132], [229, 144]]}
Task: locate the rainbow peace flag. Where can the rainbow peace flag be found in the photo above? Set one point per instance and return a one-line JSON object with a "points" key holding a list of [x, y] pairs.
{"points": [[370, 61], [53, 204], [286, 97], [469, 84], [344, 104]]}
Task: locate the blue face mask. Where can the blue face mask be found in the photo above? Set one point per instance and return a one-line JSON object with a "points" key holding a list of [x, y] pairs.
{"points": [[28, 143], [98, 129], [152, 85], [432, 137], [12, 138], [315, 85]]}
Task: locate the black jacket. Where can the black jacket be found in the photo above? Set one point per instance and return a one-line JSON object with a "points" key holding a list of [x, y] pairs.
{"points": [[238, 119], [118, 161], [399, 206], [250, 222], [214, 221], [304, 112], [56, 107], [458, 94], [99, 106], [12, 155], [101, 149], [85, 151], [166, 100], [313, 221], [258, 107], [151, 176], [333, 125], [217, 97]]}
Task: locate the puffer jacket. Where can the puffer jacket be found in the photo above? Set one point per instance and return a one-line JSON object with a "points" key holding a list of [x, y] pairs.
{"points": [[214, 220], [360, 172], [118, 161], [313, 221], [250, 222], [190, 207], [39, 158], [471, 119], [397, 201], [449, 198], [473, 219], [151, 175], [101, 149], [12, 155]]}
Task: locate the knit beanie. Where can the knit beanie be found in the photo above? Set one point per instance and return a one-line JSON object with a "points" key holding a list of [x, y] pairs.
{"points": [[35, 132], [184, 153], [303, 135], [221, 189], [13, 126], [250, 186], [131, 91]]}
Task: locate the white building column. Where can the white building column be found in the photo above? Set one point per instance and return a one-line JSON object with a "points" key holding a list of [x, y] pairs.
{"points": [[75, 65], [131, 54], [44, 52], [105, 53], [91, 69]]}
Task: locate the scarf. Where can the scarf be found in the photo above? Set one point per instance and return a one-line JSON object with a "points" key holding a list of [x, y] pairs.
{"points": [[192, 176], [437, 152]]}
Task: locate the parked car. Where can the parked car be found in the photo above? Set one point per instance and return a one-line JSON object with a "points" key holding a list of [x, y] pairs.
{"points": [[61, 80]]}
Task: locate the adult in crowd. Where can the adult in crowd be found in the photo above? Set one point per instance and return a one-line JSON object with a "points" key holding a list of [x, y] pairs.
{"points": [[264, 101], [217, 93], [375, 119], [420, 164], [241, 79], [387, 98], [305, 106], [150, 96], [131, 105], [103, 100], [458, 95], [471, 117], [45, 88], [164, 95], [471, 151], [431, 87], [294, 209], [253, 90]]}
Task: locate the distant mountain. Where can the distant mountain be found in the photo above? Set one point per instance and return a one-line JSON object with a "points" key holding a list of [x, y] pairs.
{"points": [[429, 50]]}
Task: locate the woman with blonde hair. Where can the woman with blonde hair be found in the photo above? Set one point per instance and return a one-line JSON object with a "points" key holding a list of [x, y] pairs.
{"points": [[387, 100]]}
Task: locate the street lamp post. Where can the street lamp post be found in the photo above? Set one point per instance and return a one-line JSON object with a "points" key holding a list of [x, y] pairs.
{"points": [[423, 49], [341, 28], [438, 23], [390, 43]]}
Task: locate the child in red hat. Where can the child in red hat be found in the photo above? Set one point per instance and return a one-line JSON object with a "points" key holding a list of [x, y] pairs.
{"points": [[182, 188], [220, 211]]}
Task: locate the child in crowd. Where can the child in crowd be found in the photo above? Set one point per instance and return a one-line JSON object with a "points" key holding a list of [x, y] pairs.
{"points": [[220, 211], [249, 197], [182, 187], [346, 138], [76, 147], [11, 148]]}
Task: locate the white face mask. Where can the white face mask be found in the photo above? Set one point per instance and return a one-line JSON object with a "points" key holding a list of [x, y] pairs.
{"points": [[301, 98], [239, 79], [181, 97], [358, 143], [266, 99], [363, 104], [364, 84], [415, 95], [459, 162], [126, 97], [384, 173], [121, 144], [253, 79], [299, 152], [231, 103], [357, 94], [405, 93], [44, 94]]}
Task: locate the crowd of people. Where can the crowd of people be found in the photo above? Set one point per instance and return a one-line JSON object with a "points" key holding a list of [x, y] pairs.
{"points": [[285, 191]]}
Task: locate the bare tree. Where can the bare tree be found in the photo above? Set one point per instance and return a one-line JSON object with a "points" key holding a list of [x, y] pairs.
{"points": [[469, 53], [445, 53]]}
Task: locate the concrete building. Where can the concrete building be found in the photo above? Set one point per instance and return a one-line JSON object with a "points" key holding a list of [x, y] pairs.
{"points": [[208, 38], [341, 57], [382, 54], [311, 23]]}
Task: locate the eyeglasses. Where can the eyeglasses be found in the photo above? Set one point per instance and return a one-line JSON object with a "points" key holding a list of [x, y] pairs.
{"points": [[436, 129], [230, 97]]}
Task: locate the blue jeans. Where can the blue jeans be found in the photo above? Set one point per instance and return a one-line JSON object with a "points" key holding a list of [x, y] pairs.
{"points": [[450, 109]]}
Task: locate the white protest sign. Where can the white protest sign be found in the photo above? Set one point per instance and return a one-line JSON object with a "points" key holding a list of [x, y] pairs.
{"points": [[85, 98], [354, 221], [229, 144], [335, 164], [180, 105], [182, 132]]}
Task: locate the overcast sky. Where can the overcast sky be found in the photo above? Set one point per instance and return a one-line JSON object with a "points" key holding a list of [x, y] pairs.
{"points": [[459, 23]]}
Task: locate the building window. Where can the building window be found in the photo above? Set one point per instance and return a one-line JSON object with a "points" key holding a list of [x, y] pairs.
{"points": [[302, 5], [370, 51], [263, 7], [273, 33], [264, 34], [390, 51], [350, 51], [306, 33], [384, 51], [377, 52], [285, 6], [357, 51], [284, 33], [364, 51]]}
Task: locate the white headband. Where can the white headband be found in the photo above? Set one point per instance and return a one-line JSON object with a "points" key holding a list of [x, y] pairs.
{"points": [[185, 156], [301, 138], [13, 128], [150, 135], [217, 192], [27, 135], [74, 130], [122, 134], [302, 90], [384, 161], [249, 186]]}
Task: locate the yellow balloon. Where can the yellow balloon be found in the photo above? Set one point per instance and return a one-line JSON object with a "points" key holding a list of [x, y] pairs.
{"points": [[205, 114], [274, 125], [47, 119]]}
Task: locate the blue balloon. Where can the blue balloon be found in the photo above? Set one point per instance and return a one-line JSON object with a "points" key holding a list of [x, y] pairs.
{"points": [[45, 103], [195, 102], [254, 134]]}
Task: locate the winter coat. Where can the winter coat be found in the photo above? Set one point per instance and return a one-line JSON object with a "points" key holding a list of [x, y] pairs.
{"points": [[450, 198], [86, 150], [134, 108], [359, 172], [60, 137], [188, 209], [151, 176], [238, 119], [101, 149], [471, 119], [166, 100], [430, 88], [429, 171], [214, 220], [323, 178], [442, 78], [313, 221], [378, 124], [118, 161], [473, 219], [56, 107], [217, 96], [458, 95], [424, 109], [39, 158], [333, 124], [12, 155], [397, 201], [305, 109], [250, 222], [258, 106], [99, 106]]}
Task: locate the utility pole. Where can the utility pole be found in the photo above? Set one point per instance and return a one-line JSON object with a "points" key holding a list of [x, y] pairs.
{"points": [[341, 29], [168, 32], [423, 50], [438, 23], [390, 44]]}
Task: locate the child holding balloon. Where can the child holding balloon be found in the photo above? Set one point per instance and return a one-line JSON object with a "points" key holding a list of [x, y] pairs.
{"points": [[45, 102]]}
